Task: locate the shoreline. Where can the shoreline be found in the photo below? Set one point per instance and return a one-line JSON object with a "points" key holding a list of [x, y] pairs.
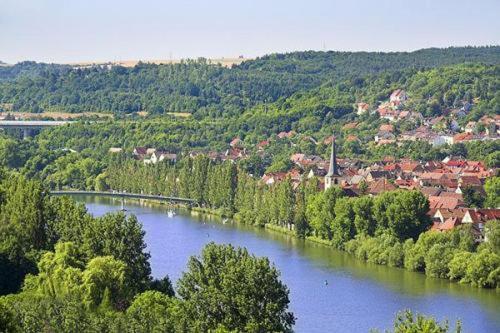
{"points": [[281, 230]]}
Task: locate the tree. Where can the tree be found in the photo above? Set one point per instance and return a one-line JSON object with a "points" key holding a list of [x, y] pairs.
{"points": [[364, 217], [492, 188], [472, 198], [121, 237], [229, 287], [406, 322], [60, 273], [104, 283], [163, 285], [300, 222], [484, 270], [458, 265], [438, 259], [342, 226], [407, 214], [151, 311]]}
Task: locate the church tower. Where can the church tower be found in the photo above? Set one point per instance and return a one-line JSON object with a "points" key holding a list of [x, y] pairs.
{"points": [[333, 177]]}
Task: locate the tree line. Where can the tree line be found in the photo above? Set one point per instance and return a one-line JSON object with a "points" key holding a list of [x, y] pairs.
{"points": [[390, 229], [63, 270]]}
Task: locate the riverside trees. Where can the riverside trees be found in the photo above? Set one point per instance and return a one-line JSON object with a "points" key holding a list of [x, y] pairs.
{"points": [[92, 274]]}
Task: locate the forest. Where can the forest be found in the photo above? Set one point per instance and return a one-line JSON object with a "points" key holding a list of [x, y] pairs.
{"points": [[208, 90]]}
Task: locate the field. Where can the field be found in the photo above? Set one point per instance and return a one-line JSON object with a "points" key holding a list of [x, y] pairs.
{"points": [[226, 62]]}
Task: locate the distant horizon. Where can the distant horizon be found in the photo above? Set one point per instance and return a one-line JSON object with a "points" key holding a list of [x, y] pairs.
{"points": [[165, 60], [61, 31]]}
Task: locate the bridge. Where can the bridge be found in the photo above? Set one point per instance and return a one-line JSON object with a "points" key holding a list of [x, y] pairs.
{"points": [[124, 195], [27, 126]]}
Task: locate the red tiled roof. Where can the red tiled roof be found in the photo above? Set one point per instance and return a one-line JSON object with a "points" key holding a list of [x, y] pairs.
{"points": [[443, 202], [386, 128], [449, 224]]}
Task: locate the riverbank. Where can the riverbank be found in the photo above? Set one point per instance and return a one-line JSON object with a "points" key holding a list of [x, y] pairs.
{"points": [[371, 249], [354, 286]]}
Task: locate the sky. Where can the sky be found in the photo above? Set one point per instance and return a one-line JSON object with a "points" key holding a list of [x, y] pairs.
{"points": [[110, 30]]}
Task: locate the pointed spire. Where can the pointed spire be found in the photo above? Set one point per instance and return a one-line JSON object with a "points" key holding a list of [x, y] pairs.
{"points": [[332, 170]]}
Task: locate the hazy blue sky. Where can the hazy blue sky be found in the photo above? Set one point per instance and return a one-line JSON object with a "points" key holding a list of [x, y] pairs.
{"points": [[81, 30]]}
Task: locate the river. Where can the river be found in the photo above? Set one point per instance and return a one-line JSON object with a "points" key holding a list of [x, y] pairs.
{"points": [[358, 297]]}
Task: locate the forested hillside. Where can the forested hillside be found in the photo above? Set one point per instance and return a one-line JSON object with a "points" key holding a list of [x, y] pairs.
{"points": [[207, 90]]}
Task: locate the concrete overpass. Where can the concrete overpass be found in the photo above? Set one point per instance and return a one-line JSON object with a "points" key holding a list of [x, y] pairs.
{"points": [[28, 125]]}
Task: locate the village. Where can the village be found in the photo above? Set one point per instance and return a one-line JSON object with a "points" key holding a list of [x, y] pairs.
{"points": [[447, 183]]}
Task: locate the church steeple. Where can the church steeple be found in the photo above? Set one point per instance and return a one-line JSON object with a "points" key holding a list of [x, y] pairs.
{"points": [[333, 177], [332, 170]]}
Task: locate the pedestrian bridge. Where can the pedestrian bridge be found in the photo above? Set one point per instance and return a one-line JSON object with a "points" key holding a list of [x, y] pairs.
{"points": [[128, 195]]}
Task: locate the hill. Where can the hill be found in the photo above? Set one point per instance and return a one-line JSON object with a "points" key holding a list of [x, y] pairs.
{"points": [[207, 90]]}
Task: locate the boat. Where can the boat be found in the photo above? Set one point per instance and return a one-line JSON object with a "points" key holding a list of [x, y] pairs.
{"points": [[170, 213]]}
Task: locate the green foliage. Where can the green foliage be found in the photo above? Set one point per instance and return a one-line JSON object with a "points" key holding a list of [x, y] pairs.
{"points": [[438, 260], [492, 188], [472, 197], [152, 311], [407, 322], [126, 244], [229, 287]]}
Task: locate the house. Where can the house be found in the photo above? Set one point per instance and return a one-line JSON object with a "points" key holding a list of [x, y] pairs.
{"points": [[140, 152], [316, 172], [150, 151], [411, 167], [436, 202], [261, 145], [236, 142], [443, 139], [398, 96], [430, 191], [449, 224], [159, 156], [460, 137], [388, 113], [352, 138], [380, 186], [479, 217], [386, 128], [464, 181], [115, 150], [385, 136], [274, 177], [350, 126], [362, 108], [373, 175], [288, 135]]}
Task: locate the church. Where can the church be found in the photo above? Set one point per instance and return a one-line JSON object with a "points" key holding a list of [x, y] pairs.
{"points": [[333, 177]]}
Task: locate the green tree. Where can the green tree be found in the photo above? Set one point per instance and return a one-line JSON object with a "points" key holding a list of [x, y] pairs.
{"points": [[492, 188], [229, 287], [104, 283], [121, 237], [364, 216], [342, 226], [472, 198], [438, 259], [407, 214], [151, 311], [407, 322]]}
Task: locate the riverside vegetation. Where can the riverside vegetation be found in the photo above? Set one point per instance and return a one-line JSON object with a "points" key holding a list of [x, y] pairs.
{"points": [[66, 271]]}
